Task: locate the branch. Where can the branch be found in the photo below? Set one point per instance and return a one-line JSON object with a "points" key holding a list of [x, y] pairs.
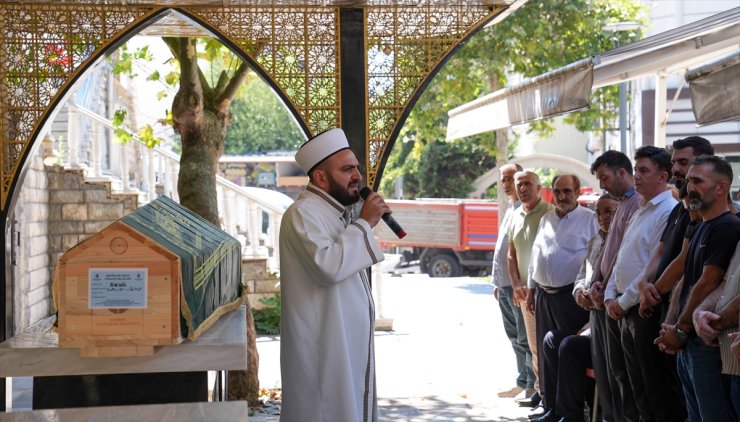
{"points": [[174, 44], [208, 92], [189, 71], [223, 100], [188, 104], [223, 80]]}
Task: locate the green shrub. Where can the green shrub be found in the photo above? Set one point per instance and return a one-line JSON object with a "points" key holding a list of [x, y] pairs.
{"points": [[267, 319]]}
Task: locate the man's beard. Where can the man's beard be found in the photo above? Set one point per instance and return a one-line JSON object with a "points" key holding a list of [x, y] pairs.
{"points": [[566, 206], [697, 203], [678, 183], [341, 193]]}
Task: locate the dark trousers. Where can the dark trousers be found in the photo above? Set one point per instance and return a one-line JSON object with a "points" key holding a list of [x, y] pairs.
{"points": [[511, 315], [618, 370], [574, 387], [655, 384], [734, 392], [557, 311], [566, 356], [610, 397], [707, 390]]}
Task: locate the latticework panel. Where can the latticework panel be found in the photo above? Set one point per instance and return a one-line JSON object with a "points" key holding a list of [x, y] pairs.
{"points": [[41, 48], [297, 47], [404, 45]]}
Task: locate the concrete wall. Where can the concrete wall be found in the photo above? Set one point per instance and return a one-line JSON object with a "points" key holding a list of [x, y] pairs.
{"points": [[77, 209], [32, 296], [260, 282]]}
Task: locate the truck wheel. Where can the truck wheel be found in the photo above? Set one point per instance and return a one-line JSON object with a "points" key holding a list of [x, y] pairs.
{"points": [[443, 265]]}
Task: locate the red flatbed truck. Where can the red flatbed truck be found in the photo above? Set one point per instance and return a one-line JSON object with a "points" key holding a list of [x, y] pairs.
{"points": [[449, 237]]}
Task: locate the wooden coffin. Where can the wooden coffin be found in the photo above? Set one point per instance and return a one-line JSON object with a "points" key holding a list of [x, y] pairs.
{"points": [[155, 277]]}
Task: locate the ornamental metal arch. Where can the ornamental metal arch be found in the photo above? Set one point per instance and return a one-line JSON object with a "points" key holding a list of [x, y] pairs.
{"points": [[46, 46]]}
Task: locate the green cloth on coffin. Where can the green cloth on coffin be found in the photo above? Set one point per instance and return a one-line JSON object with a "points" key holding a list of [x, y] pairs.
{"points": [[210, 261]]}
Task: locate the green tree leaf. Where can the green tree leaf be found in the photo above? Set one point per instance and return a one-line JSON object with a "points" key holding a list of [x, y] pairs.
{"points": [[213, 49], [122, 135], [143, 53], [146, 135], [172, 78], [119, 116]]}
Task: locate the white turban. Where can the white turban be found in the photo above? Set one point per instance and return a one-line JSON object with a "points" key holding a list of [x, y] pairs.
{"points": [[321, 147]]}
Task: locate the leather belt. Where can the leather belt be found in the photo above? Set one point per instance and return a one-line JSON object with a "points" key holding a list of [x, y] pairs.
{"points": [[555, 290]]}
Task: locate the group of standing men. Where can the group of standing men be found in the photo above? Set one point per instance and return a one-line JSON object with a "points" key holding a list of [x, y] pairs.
{"points": [[636, 290], [654, 278]]}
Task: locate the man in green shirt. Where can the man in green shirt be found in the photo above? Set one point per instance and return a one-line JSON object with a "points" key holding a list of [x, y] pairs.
{"points": [[522, 231]]}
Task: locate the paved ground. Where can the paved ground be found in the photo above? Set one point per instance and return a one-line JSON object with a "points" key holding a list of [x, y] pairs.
{"points": [[445, 359]]}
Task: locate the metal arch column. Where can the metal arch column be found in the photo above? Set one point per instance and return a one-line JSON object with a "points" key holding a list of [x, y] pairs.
{"points": [[352, 69]]}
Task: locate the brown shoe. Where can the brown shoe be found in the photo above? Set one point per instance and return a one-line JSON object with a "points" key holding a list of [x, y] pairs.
{"points": [[511, 393]]}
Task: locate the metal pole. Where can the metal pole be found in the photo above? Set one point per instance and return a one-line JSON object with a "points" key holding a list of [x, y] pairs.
{"points": [[623, 117], [661, 88]]}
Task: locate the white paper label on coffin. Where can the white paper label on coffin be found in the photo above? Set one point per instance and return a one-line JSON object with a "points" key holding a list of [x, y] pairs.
{"points": [[118, 288]]}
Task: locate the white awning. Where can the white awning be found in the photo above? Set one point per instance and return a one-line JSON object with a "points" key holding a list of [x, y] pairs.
{"points": [[557, 92], [715, 90], [670, 52]]}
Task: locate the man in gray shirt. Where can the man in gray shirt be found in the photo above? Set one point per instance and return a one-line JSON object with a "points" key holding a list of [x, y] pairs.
{"points": [[511, 314]]}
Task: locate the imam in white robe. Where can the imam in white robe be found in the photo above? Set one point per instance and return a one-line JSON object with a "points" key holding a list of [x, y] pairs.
{"points": [[327, 353]]}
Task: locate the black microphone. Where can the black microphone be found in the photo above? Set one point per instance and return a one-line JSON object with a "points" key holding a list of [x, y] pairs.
{"points": [[389, 220]]}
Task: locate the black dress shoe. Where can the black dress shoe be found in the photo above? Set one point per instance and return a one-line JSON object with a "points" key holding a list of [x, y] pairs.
{"points": [[537, 412], [549, 416], [531, 401]]}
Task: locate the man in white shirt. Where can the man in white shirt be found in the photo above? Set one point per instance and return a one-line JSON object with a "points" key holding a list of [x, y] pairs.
{"points": [[647, 368], [327, 354], [558, 251]]}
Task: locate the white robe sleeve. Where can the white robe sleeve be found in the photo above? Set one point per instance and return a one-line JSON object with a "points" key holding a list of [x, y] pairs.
{"points": [[331, 259]]}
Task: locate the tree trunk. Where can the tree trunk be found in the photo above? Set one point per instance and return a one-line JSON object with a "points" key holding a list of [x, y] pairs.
{"points": [[202, 131], [201, 116], [196, 183]]}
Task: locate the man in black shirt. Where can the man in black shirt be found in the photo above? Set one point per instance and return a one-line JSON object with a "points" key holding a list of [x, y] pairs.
{"points": [[706, 391]]}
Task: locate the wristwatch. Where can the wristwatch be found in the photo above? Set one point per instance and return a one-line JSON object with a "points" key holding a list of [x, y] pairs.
{"points": [[681, 335]]}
